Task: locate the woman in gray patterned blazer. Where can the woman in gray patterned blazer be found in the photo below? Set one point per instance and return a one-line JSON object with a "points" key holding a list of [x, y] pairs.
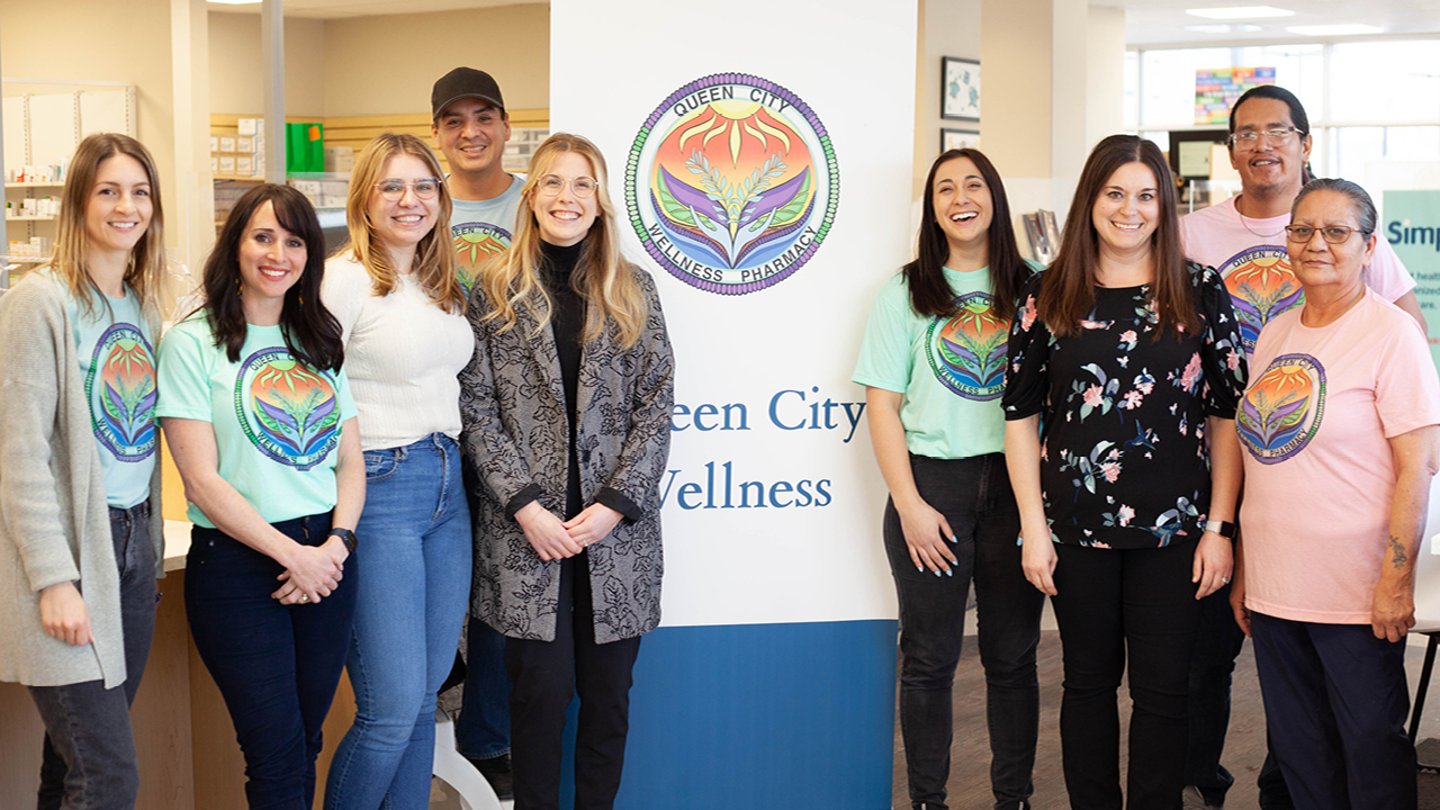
{"points": [[566, 409]]}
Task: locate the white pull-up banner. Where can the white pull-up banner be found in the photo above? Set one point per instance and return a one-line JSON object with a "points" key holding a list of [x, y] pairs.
{"points": [[760, 158]]}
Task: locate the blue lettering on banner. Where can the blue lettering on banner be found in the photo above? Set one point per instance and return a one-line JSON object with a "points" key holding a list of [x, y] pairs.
{"points": [[1399, 233], [721, 487]]}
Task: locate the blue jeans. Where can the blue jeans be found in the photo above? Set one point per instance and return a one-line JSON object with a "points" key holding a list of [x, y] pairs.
{"points": [[1335, 704], [276, 665], [414, 543], [88, 761], [974, 496], [483, 729]]}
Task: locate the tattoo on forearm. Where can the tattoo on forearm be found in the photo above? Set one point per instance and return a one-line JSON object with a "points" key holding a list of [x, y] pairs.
{"points": [[1398, 558]]}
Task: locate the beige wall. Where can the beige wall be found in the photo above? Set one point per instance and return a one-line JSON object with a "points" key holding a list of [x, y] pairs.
{"points": [[383, 65], [237, 67], [947, 28], [90, 40]]}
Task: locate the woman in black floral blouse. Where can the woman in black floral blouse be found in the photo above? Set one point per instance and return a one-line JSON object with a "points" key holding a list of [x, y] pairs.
{"points": [[1123, 360]]}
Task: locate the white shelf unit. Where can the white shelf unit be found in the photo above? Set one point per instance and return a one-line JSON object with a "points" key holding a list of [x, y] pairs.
{"points": [[42, 129]]}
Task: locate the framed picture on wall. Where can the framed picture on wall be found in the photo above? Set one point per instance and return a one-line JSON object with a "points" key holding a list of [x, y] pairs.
{"points": [[958, 139], [960, 88]]}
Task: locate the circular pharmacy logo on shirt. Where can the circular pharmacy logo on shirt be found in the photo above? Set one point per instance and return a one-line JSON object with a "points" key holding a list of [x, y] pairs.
{"points": [[289, 412], [475, 243], [1261, 286], [732, 183], [1281, 411], [121, 390], [967, 352]]}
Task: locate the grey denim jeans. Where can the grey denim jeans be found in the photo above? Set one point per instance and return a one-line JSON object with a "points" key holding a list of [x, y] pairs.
{"points": [[89, 758]]}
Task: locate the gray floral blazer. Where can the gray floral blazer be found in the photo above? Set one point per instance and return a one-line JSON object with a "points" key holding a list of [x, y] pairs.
{"points": [[516, 436]]}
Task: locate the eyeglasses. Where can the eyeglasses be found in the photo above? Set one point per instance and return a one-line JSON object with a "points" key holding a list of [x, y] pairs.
{"points": [[1334, 234], [1250, 138], [552, 184], [424, 189]]}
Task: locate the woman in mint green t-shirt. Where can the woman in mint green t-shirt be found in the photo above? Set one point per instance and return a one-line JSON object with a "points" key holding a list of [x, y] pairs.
{"points": [[80, 539], [933, 364], [260, 421]]}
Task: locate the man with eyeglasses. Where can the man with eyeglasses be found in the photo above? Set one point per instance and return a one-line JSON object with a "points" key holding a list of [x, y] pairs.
{"points": [[470, 127], [1244, 239]]}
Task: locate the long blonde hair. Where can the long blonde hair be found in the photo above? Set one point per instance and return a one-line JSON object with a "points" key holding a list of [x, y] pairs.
{"points": [[602, 277], [71, 259], [434, 257]]}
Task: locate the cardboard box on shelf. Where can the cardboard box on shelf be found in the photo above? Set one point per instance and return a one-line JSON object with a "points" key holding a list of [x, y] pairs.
{"points": [[227, 143], [251, 126]]}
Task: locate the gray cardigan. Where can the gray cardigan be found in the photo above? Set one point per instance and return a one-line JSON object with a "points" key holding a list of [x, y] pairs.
{"points": [[516, 438], [54, 523]]}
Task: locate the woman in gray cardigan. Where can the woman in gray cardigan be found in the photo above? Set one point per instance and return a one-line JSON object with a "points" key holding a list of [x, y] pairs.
{"points": [[80, 525], [566, 408]]}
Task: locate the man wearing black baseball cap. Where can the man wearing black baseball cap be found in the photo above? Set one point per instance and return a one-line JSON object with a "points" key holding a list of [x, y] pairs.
{"points": [[470, 127]]}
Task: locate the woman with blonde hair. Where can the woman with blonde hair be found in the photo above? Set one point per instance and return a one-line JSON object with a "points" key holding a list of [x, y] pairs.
{"points": [[80, 539], [401, 310], [566, 409]]}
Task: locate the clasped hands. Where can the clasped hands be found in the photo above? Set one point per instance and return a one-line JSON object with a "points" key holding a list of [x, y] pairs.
{"points": [[311, 572], [554, 539]]}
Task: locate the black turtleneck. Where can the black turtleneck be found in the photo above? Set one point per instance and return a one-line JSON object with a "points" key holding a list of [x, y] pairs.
{"points": [[567, 321]]}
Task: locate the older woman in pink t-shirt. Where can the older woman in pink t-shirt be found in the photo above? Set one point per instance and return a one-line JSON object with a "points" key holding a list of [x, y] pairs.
{"points": [[1339, 424]]}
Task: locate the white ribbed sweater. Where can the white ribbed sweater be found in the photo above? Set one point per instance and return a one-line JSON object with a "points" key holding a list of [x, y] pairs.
{"points": [[402, 355]]}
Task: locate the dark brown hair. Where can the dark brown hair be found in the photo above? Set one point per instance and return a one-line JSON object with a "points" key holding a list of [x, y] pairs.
{"points": [[312, 334], [1067, 289], [930, 293]]}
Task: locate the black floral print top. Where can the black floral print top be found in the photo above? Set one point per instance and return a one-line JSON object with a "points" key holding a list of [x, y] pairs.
{"points": [[1123, 458]]}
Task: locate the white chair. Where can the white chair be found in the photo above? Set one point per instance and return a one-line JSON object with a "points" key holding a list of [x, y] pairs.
{"points": [[458, 773]]}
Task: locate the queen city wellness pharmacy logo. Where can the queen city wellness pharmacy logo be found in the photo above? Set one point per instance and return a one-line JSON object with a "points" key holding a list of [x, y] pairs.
{"points": [[732, 183]]}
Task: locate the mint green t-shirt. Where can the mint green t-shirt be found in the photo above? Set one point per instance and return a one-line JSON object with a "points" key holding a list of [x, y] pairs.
{"points": [[951, 372], [276, 421], [117, 364]]}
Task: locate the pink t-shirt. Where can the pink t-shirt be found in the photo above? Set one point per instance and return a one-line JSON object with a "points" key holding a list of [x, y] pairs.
{"points": [[1250, 255], [1319, 474]]}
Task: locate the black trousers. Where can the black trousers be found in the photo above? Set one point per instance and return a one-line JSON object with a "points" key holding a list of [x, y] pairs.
{"points": [[1112, 604], [545, 674]]}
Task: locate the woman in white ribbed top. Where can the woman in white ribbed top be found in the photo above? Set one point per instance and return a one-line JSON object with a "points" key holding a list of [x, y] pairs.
{"points": [[394, 290]]}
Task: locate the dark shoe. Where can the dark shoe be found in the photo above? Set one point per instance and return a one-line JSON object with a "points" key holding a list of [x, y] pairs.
{"points": [[496, 771]]}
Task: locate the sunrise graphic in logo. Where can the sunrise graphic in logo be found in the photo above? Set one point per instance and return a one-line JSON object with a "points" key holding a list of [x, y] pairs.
{"points": [[967, 352], [1282, 409], [732, 184], [290, 413], [121, 387], [475, 243], [1261, 286]]}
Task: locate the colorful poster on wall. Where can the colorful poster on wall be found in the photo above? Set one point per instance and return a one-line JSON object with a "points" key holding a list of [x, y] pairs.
{"points": [[1412, 227], [1218, 88]]}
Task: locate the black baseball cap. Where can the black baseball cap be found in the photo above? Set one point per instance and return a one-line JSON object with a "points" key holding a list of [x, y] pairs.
{"points": [[464, 82]]}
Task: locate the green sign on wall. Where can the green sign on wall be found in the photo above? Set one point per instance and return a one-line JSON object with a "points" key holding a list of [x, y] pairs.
{"points": [[1412, 227]]}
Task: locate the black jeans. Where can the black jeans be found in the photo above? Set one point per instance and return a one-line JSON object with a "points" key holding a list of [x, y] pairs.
{"points": [[88, 761], [974, 496], [1218, 642], [545, 675], [276, 665], [1111, 603]]}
